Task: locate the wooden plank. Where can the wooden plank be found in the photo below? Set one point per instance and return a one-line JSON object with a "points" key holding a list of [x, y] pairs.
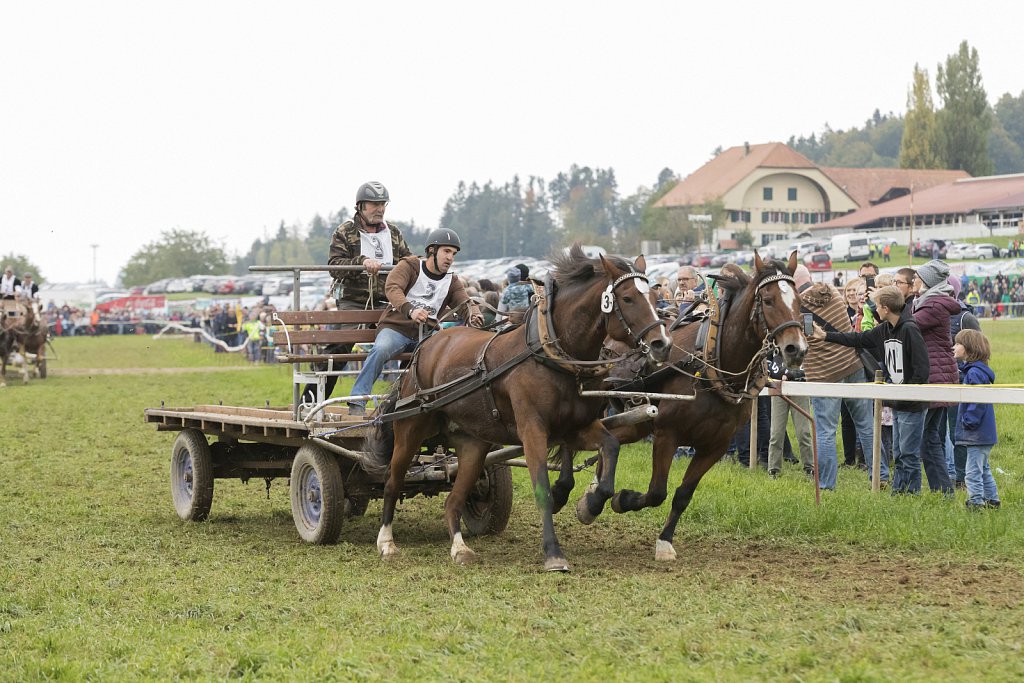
{"points": [[336, 357], [330, 317], [324, 337]]}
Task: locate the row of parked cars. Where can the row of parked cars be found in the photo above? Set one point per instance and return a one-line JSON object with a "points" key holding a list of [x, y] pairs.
{"points": [[950, 249], [253, 284]]}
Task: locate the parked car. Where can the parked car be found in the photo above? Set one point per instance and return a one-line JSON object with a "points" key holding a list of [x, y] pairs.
{"points": [[958, 250], [925, 248], [981, 251], [818, 260]]}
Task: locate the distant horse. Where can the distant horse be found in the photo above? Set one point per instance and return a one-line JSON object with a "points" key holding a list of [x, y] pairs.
{"points": [[763, 315], [520, 387], [18, 334]]}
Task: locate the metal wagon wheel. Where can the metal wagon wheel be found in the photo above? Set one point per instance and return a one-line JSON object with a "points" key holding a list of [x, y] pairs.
{"points": [[191, 476], [489, 504], [317, 495]]}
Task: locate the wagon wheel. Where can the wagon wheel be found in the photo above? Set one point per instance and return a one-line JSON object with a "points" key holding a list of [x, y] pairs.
{"points": [[318, 497], [489, 504], [191, 476]]}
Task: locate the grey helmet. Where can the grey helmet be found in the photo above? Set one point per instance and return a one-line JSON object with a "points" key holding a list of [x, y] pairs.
{"points": [[372, 192], [443, 237]]}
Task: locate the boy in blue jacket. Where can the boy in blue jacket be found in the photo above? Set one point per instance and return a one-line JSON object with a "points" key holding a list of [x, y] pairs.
{"points": [[976, 422]]}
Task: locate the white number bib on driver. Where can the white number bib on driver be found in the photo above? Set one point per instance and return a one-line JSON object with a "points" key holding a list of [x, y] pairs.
{"points": [[376, 245], [429, 294]]}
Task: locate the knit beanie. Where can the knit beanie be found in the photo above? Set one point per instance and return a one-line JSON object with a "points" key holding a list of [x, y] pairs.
{"points": [[513, 274], [801, 276], [933, 272]]}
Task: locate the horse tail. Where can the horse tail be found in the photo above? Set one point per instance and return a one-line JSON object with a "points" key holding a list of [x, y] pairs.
{"points": [[379, 442], [557, 455]]}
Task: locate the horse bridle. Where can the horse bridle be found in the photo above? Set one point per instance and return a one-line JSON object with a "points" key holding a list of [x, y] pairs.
{"points": [[610, 304], [757, 314]]}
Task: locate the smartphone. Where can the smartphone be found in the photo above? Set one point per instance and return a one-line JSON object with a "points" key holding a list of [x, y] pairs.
{"points": [[869, 281], [808, 324]]}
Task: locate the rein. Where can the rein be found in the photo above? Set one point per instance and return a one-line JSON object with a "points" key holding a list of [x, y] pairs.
{"points": [[709, 360], [541, 345], [543, 342]]}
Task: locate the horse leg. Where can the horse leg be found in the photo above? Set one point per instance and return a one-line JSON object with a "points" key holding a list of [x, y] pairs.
{"points": [[701, 463], [565, 482], [24, 363], [472, 454], [405, 447], [591, 504], [535, 442], [662, 451]]}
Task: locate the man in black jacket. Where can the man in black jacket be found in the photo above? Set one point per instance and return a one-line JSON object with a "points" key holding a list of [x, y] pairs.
{"points": [[906, 362]]}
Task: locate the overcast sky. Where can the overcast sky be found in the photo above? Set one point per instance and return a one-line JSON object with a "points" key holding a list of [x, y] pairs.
{"points": [[119, 120]]}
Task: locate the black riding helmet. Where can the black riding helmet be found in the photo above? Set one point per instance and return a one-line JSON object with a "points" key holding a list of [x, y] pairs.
{"points": [[372, 191], [441, 237]]}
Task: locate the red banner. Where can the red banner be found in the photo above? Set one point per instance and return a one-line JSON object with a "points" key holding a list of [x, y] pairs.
{"points": [[132, 303]]}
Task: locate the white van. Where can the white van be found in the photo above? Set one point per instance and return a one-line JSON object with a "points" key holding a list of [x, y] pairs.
{"points": [[849, 247]]}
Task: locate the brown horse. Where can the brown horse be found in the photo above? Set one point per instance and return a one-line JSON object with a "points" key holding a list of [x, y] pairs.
{"points": [[763, 316], [21, 334], [531, 394]]}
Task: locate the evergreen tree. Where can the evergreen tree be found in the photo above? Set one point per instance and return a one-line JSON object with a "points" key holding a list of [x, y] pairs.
{"points": [[918, 148], [965, 119]]}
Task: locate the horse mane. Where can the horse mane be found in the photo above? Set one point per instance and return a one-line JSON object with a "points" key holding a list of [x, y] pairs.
{"points": [[573, 266]]}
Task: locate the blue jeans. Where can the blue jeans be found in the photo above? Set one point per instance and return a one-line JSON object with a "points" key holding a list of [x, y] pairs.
{"points": [[981, 487], [959, 451], [826, 419], [387, 344], [933, 451], [907, 433]]}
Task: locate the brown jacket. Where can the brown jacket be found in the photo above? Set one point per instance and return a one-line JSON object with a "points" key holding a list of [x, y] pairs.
{"points": [[400, 280]]}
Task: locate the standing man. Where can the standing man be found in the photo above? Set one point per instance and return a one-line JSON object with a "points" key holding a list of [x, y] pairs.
{"points": [[369, 241], [933, 307], [9, 284], [515, 299], [418, 289], [830, 362], [687, 280]]}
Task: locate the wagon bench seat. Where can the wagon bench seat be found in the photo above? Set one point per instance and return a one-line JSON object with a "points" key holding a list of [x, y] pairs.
{"points": [[298, 320]]}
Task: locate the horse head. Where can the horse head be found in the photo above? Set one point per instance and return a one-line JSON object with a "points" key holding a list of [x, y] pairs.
{"points": [[776, 308], [635, 320]]}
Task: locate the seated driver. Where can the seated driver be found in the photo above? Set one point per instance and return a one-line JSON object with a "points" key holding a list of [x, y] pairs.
{"points": [[418, 290]]}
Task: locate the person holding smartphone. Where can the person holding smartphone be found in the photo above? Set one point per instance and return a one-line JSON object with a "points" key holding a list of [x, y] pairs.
{"points": [[906, 362]]}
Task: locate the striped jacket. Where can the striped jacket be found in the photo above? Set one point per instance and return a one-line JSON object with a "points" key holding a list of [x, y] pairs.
{"points": [[827, 362]]}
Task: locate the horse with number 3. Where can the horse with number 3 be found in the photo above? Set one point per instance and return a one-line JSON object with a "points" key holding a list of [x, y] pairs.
{"points": [[478, 389]]}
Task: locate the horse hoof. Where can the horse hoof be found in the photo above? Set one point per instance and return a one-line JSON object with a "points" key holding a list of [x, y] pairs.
{"points": [[617, 503], [583, 512], [464, 556], [664, 552], [556, 564], [388, 551]]}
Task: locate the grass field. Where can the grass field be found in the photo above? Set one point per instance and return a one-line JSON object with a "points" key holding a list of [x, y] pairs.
{"points": [[99, 580]]}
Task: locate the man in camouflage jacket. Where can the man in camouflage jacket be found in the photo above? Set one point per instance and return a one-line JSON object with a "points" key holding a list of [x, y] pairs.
{"points": [[369, 241]]}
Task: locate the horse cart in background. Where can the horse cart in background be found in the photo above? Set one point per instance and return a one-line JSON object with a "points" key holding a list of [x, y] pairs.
{"points": [[316, 445], [24, 333]]}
